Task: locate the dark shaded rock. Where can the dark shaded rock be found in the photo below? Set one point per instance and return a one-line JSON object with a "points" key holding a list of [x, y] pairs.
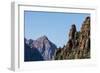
{"points": [[87, 44], [31, 54], [72, 32]]}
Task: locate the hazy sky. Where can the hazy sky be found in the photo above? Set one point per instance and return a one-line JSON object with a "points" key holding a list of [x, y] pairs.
{"points": [[54, 25]]}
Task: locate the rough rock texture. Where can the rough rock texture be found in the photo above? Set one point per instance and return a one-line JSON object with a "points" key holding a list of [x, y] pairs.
{"points": [[78, 45], [45, 47], [31, 54]]}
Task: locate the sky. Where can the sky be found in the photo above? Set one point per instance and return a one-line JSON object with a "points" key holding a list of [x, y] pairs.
{"points": [[54, 25]]}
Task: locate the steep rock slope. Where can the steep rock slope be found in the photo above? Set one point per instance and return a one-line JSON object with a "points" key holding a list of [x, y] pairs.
{"points": [[44, 46], [78, 45]]}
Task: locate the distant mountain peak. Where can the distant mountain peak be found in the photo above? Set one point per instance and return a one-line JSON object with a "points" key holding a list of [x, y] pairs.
{"points": [[45, 47], [44, 37]]}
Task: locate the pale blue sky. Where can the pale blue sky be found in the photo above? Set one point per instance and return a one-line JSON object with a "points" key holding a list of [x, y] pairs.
{"points": [[54, 25]]}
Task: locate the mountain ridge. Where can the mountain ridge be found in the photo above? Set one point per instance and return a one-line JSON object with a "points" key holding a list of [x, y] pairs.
{"points": [[45, 47]]}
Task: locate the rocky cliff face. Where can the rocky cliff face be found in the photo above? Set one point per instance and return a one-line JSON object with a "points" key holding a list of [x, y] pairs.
{"points": [[42, 47], [31, 54], [78, 45]]}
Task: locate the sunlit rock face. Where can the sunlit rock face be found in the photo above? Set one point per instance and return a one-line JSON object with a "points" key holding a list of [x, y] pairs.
{"points": [[78, 45]]}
